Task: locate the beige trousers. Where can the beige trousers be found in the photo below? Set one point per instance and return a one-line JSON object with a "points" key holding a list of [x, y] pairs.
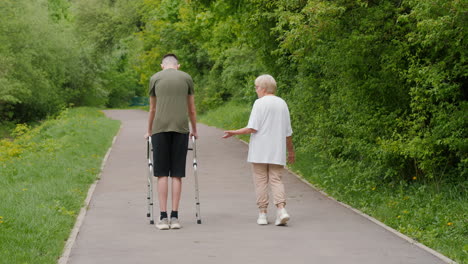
{"points": [[262, 175]]}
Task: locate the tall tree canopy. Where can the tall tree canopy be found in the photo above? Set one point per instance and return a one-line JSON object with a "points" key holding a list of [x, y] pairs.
{"points": [[382, 83]]}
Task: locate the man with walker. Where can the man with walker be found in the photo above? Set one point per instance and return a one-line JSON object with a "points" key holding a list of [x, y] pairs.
{"points": [[172, 104]]}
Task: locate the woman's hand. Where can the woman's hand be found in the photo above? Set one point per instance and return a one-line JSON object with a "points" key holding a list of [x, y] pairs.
{"points": [[228, 133]]}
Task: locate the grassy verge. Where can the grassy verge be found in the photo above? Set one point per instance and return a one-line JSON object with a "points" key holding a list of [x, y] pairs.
{"points": [[145, 108], [432, 214], [231, 116], [45, 175]]}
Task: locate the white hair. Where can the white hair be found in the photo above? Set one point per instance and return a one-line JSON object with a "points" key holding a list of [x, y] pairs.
{"points": [[266, 81]]}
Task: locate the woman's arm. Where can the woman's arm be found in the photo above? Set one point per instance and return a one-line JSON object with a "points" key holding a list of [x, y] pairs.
{"points": [[290, 148], [245, 130]]}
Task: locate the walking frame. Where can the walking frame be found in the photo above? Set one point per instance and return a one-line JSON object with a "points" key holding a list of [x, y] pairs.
{"points": [[149, 156]]}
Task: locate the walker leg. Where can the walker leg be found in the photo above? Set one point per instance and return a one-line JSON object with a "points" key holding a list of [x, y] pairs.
{"points": [[195, 175], [149, 197]]}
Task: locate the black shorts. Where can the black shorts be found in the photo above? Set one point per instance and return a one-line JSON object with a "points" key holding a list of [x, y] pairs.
{"points": [[169, 154]]}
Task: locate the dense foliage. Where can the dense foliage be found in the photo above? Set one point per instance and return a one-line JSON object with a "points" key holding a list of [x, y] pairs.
{"points": [[379, 87], [382, 83], [54, 53]]}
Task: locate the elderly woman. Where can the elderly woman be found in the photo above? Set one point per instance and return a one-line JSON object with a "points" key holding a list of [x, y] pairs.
{"points": [[270, 129]]}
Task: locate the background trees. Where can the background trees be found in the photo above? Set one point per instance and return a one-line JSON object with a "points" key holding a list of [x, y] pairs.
{"points": [[55, 53], [377, 89], [381, 83]]}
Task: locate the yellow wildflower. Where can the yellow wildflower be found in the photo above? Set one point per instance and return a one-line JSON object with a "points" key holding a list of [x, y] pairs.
{"points": [[398, 216], [1, 222], [373, 188], [414, 178], [24, 189], [449, 223]]}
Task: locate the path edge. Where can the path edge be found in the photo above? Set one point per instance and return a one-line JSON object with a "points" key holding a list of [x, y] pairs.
{"points": [[375, 221], [79, 220], [372, 219]]}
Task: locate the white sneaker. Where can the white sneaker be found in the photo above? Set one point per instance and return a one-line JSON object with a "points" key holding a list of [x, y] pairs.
{"points": [[262, 219], [282, 217], [163, 224], [175, 223]]}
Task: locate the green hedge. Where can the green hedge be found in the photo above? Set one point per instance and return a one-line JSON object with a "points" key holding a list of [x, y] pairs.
{"points": [[380, 83]]}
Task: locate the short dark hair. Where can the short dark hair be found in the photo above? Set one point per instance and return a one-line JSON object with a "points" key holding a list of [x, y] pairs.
{"points": [[170, 55]]}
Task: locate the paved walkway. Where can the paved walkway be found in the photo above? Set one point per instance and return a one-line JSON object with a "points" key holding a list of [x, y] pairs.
{"points": [[116, 230]]}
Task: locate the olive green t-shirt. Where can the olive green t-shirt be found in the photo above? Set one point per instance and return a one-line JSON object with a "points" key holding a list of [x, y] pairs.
{"points": [[171, 88]]}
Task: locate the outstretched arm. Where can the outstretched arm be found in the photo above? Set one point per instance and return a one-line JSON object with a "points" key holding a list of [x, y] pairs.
{"points": [[245, 130]]}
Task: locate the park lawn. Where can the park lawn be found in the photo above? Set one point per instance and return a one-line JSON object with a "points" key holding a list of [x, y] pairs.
{"points": [[434, 215], [45, 174]]}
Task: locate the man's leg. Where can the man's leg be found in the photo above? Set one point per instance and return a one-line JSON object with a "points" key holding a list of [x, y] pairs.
{"points": [[163, 223], [178, 161], [162, 193], [176, 192], [161, 171]]}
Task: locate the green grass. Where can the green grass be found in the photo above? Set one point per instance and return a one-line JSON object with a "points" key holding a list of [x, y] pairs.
{"points": [[45, 175], [435, 215], [232, 115], [145, 108]]}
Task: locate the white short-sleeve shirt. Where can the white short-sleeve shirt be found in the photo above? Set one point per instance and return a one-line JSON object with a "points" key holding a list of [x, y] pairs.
{"points": [[270, 117]]}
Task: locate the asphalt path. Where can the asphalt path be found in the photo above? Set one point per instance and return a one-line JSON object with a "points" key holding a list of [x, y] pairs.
{"points": [[116, 229]]}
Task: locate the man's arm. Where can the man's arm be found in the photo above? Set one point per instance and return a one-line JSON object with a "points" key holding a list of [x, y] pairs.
{"points": [[192, 112], [290, 148], [245, 130], [152, 112]]}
